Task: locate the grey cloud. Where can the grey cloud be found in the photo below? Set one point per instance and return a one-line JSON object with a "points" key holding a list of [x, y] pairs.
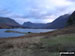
{"points": [[71, 0], [35, 4], [37, 15]]}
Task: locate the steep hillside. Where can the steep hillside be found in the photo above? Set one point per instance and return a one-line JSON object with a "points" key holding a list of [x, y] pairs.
{"points": [[60, 22], [8, 23], [71, 20]]}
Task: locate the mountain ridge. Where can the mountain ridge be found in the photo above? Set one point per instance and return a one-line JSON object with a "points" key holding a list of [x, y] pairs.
{"points": [[6, 22], [60, 22], [34, 25]]}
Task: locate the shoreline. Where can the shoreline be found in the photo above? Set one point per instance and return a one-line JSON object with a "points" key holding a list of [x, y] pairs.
{"points": [[66, 30]]}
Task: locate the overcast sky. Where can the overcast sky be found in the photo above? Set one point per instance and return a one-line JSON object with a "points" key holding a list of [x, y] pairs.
{"points": [[37, 11]]}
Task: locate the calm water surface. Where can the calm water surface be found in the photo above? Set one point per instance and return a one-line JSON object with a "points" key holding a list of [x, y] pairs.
{"points": [[4, 34]]}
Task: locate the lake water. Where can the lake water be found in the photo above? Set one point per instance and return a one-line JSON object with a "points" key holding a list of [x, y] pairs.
{"points": [[4, 34]]}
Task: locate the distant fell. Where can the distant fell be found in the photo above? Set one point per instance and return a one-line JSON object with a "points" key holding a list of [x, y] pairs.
{"points": [[34, 25], [8, 23], [60, 22]]}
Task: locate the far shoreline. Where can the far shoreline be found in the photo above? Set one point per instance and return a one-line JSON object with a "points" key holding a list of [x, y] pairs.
{"points": [[66, 30]]}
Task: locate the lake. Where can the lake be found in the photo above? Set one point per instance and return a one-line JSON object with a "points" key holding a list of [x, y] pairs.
{"points": [[4, 34]]}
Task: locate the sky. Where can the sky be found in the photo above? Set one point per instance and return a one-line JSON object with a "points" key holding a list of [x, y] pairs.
{"points": [[36, 11]]}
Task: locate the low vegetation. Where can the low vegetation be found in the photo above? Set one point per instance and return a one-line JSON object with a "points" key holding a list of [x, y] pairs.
{"points": [[37, 46], [60, 43]]}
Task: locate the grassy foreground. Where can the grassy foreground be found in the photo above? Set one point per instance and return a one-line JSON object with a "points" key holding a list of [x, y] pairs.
{"points": [[37, 46], [60, 43]]}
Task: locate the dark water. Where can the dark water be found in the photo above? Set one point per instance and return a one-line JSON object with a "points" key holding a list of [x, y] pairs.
{"points": [[5, 34]]}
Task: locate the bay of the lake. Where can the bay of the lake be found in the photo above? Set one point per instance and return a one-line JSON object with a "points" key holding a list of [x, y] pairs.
{"points": [[4, 34]]}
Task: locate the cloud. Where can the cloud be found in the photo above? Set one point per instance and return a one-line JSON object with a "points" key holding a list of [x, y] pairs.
{"points": [[48, 8], [4, 11], [36, 9], [71, 0]]}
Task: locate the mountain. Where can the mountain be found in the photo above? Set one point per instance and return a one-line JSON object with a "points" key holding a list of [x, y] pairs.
{"points": [[8, 23], [60, 22], [34, 25], [71, 20]]}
